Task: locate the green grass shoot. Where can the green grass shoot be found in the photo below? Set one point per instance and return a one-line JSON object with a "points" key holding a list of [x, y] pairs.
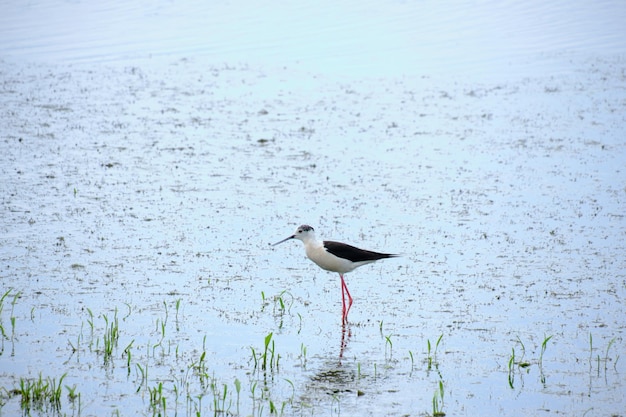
{"points": [[438, 401]]}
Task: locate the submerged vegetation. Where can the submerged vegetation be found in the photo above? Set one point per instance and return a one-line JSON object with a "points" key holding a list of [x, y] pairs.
{"points": [[5, 333], [41, 394], [438, 401], [431, 355], [174, 380], [198, 389], [515, 364]]}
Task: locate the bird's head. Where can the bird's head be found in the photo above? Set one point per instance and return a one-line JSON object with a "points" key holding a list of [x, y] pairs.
{"points": [[303, 233]]}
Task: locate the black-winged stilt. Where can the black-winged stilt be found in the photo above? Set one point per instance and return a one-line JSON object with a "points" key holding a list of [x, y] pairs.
{"points": [[335, 257]]}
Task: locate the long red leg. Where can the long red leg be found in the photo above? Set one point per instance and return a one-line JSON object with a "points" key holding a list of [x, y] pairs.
{"points": [[349, 300], [345, 310], [343, 300]]}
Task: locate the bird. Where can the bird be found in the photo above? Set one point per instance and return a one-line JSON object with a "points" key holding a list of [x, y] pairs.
{"points": [[335, 257]]}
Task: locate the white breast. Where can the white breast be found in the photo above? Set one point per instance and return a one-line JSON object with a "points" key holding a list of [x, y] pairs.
{"points": [[325, 260]]}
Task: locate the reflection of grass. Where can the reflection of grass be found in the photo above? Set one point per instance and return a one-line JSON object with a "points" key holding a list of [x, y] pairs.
{"points": [[606, 358]]}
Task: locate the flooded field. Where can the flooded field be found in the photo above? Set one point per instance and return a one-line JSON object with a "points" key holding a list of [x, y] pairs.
{"points": [[150, 153], [138, 207]]}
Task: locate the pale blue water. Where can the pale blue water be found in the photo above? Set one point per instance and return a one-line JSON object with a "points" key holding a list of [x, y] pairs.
{"points": [[365, 38]]}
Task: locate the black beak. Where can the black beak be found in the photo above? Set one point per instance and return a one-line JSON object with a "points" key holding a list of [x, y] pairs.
{"points": [[284, 240]]}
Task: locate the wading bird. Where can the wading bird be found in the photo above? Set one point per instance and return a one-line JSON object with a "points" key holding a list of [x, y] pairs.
{"points": [[335, 257]]}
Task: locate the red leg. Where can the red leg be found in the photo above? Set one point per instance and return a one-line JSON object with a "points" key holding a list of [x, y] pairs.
{"points": [[345, 310], [349, 299], [343, 301]]}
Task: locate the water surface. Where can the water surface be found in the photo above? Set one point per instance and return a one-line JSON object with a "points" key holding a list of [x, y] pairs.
{"points": [[348, 38], [145, 174]]}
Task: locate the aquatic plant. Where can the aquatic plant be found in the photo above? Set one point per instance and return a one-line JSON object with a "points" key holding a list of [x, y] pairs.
{"points": [[144, 376], [128, 353], [389, 343], [12, 315], [3, 332], [438, 401], [512, 364], [303, 355], [74, 397], [280, 298], [521, 362], [201, 370], [237, 384], [44, 395], [606, 355], [161, 325], [219, 398], [293, 389], [76, 349], [90, 322], [111, 336], [268, 357], [300, 323], [512, 368], [265, 355], [544, 345], [158, 402], [177, 305], [432, 353]]}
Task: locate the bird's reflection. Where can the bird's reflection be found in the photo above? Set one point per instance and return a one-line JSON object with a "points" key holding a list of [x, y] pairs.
{"points": [[335, 377], [346, 333]]}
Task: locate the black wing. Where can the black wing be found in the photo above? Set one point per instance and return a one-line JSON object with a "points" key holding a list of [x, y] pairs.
{"points": [[354, 254]]}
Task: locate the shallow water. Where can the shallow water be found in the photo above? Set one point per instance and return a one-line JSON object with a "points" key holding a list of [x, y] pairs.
{"points": [[150, 191], [143, 190], [365, 38]]}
